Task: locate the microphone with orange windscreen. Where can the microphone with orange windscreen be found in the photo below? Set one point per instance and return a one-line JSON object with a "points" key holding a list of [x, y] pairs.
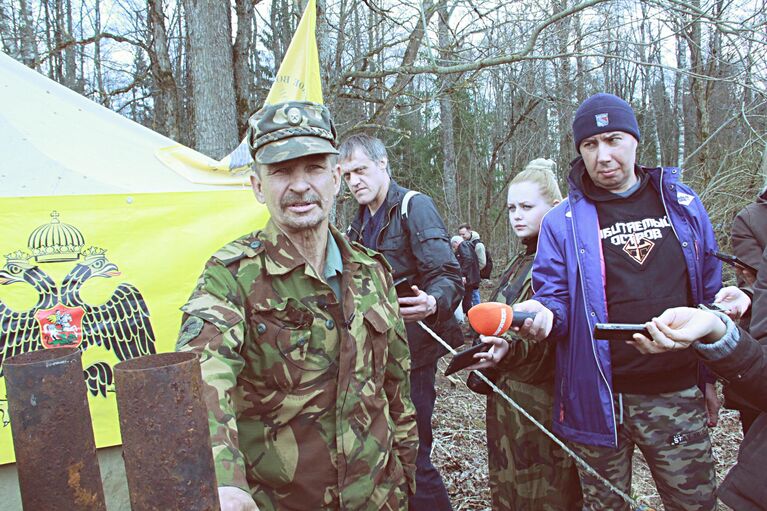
{"points": [[495, 318], [489, 318]]}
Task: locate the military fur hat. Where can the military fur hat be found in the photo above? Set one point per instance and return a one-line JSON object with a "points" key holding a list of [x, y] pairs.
{"points": [[290, 130]]}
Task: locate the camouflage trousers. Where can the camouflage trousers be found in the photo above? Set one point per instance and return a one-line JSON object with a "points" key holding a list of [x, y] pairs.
{"points": [[670, 431], [527, 470]]}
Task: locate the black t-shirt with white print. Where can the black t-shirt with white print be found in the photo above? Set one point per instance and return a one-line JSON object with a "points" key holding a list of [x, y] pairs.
{"points": [[645, 274]]}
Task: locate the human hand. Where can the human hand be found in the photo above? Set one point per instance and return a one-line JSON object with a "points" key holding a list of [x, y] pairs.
{"points": [[734, 300], [747, 275], [490, 358], [232, 498], [418, 307], [538, 328], [677, 328], [712, 405]]}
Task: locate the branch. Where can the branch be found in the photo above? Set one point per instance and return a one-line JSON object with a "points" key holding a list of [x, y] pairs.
{"points": [[90, 40], [483, 63]]}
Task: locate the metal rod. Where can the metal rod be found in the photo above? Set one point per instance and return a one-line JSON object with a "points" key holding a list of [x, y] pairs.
{"points": [[52, 434], [164, 426]]}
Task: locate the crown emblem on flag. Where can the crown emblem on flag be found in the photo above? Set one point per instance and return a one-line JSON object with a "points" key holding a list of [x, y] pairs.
{"points": [[56, 241]]}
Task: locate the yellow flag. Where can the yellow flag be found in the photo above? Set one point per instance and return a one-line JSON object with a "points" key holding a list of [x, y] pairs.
{"points": [[299, 76], [93, 227], [129, 260]]}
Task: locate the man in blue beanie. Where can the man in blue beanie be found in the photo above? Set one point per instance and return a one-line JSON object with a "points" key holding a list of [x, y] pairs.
{"points": [[628, 243]]}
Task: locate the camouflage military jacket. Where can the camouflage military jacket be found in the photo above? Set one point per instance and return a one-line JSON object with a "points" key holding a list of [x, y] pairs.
{"points": [[526, 361], [308, 399]]}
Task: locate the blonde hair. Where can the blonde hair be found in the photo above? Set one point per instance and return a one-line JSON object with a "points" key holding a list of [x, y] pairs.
{"points": [[541, 172]]}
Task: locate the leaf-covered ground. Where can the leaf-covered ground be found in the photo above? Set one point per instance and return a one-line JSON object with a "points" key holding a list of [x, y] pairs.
{"points": [[461, 455]]}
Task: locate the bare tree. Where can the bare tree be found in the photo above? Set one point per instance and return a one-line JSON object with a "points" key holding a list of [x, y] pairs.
{"points": [[212, 76]]}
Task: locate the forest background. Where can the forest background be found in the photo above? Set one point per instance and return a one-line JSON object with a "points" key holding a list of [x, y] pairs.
{"points": [[463, 93]]}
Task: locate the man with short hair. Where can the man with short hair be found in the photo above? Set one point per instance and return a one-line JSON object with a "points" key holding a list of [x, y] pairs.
{"points": [[303, 353], [405, 227], [472, 237], [628, 243]]}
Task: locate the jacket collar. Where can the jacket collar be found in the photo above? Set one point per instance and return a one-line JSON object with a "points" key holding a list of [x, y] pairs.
{"points": [[282, 256], [669, 175], [393, 197]]}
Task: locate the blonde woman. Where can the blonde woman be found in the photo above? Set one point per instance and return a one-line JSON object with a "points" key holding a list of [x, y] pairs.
{"points": [[527, 470]]}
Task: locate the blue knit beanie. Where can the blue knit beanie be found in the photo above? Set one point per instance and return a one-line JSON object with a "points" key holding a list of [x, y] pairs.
{"points": [[602, 113]]}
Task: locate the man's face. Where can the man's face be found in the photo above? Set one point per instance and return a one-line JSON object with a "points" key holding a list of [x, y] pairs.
{"points": [[609, 159], [367, 179], [465, 233], [298, 193]]}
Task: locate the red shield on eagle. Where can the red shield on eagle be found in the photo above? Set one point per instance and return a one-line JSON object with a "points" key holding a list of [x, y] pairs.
{"points": [[61, 326]]}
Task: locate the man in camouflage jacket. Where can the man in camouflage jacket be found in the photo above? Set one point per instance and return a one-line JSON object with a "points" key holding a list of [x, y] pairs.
{"points": [[303, 352]]}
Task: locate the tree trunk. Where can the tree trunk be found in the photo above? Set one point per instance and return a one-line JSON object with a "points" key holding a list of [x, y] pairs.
{"points": [[681, 59], [215, 113], [70, 52], [243, 74], [103, 96], [698, 87], [28, 44], [166, 116], [7, 34], [446, 120]]}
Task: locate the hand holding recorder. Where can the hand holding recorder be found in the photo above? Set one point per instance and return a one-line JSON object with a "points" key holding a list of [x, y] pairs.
{"points": [[489, 319]]}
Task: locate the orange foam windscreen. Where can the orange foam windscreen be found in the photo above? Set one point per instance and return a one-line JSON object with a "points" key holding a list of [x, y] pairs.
{"points": [[491, 318]]}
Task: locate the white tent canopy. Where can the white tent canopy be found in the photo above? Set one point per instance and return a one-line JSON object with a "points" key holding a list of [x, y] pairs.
{"points": [[53, 141]]}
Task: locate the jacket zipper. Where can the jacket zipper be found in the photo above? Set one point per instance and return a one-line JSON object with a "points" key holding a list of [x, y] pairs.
{"points": [[388, 221], [591, 335], [673, 229]]}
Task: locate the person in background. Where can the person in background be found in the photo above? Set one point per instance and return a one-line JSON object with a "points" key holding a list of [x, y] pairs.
{"points": [[527, 469], [738, 357], [406, 228], [467, 258], [749, 238], [464, 231]]}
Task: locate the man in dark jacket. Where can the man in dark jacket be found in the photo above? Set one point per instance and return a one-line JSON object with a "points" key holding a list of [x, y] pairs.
{"points": [[740, 359], [628, 243], [405, 227], [467, 258], [749, 236], [749, 239]]}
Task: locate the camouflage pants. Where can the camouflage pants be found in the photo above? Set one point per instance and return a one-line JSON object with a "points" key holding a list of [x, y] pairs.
{"points": [[527, 470], [670, 430]]}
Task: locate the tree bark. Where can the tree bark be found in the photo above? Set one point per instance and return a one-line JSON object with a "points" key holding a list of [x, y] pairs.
{"points": [[243, 74], [165, 94], [215, 113], [446, 120], [28, 44]]}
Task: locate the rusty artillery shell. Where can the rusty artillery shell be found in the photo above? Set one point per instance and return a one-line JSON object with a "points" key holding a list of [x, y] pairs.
{"points": [[52, 434], [164, 426]]}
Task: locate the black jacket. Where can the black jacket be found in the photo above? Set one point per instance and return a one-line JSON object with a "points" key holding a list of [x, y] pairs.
{"points": [[745, 487], [421, 252], [467, 258], [745, 370]]}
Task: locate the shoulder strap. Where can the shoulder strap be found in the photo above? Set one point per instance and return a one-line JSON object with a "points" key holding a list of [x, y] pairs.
{"points": [[514, 290], [406, 202]]}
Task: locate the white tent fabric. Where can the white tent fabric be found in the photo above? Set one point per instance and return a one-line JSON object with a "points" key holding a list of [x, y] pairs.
{"points": [[54, 141]]}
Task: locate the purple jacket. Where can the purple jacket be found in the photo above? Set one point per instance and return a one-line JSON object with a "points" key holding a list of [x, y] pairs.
{"points": [[568, 278]]}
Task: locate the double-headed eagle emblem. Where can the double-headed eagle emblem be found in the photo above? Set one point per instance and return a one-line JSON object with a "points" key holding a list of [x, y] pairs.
{"points": [[61, 318]]}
